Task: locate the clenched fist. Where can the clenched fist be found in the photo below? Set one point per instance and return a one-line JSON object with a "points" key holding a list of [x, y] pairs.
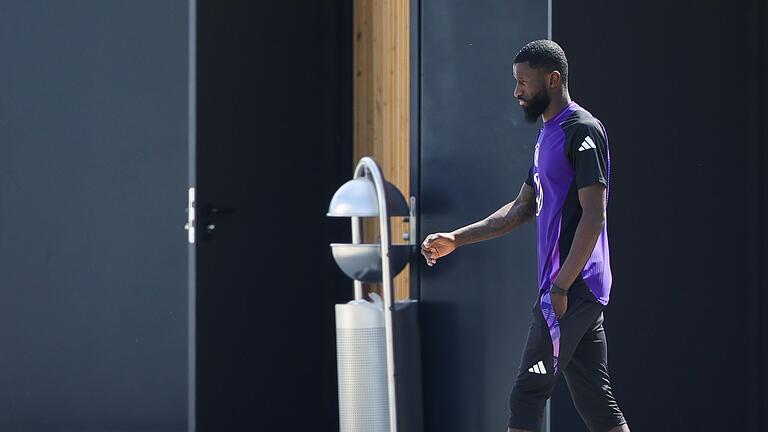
{"points": [[437, 246]]}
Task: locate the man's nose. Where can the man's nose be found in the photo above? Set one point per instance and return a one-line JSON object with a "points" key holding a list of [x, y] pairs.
{"points": [[518, 92]]}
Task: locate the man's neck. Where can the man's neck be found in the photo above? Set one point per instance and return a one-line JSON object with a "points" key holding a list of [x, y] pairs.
{"points": [[555, 106]]}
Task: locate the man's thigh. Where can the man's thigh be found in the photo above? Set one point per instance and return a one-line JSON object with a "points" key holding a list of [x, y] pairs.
{"points": [[535, 380], [590, 384]]}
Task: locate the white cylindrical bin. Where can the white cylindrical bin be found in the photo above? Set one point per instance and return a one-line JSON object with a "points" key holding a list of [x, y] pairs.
{"points": [[362, 368]]}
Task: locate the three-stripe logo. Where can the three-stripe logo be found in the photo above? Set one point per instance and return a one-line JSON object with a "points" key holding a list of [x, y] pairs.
{"points": [[587, 144], [538, 368]]}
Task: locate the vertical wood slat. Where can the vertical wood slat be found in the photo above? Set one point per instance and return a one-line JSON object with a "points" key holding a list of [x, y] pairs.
{"points": [[381, 102]]}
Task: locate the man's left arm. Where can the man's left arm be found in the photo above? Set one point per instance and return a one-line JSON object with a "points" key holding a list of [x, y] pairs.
{"points": [[593, 202]]}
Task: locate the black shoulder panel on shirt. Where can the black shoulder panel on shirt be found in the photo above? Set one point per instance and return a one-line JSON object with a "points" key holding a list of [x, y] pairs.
{"points": [[577, 127], [586, 148]]}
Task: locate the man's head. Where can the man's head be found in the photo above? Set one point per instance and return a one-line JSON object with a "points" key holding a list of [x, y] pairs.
{"points": [[541, 71]]}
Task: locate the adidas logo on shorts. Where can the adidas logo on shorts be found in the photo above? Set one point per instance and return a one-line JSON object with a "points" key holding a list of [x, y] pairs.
{"points": [[538, 368]]}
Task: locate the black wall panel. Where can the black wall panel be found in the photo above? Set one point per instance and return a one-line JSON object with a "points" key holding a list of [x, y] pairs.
{"points": [[681, 89], [475, 151]]}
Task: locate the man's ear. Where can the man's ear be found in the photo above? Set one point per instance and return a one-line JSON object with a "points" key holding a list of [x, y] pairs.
{"points": [[554, 79]]}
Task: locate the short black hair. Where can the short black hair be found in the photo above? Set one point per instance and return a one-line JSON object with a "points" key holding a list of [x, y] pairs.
{"points": [[544, 54]]}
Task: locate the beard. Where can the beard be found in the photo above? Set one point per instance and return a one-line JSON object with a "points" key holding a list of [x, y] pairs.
{"points": [[536, 106]]}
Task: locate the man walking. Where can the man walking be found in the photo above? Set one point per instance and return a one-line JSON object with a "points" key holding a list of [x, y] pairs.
{"points": [[567, 190]]}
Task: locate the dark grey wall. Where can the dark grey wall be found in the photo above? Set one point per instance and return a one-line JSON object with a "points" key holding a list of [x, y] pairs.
{"points": [[93, 171], [475, 151], [685, 106]]}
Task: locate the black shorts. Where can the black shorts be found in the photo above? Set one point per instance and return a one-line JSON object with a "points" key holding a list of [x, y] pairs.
{"points": [[576, 346]]}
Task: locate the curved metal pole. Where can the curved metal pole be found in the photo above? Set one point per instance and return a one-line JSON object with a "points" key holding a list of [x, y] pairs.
{"points": [[386, 277], [357, 229]]}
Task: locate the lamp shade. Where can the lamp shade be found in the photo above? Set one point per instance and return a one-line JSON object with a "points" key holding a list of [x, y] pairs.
{"points": [[363, 261], [357, 197]]}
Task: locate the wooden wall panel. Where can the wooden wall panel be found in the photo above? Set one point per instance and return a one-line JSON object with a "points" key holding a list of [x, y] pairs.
{"points": [[381, 95]]}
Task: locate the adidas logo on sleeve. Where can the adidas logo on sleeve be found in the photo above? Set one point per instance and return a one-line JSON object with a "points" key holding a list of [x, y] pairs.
{"points": [[587, 144], [538, 368]]}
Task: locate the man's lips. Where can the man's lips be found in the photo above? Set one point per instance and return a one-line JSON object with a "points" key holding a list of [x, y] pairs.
{"points": [[522, 102]]}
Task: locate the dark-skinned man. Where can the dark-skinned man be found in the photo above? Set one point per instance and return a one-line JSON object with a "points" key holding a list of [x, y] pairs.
{"points": [[567, 191]]}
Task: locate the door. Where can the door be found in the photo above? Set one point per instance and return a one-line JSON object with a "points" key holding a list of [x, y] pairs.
{"points": [[274, 98], [93, 178]]}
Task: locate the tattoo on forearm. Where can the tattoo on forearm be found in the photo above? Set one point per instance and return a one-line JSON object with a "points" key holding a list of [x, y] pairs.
{"points": [[504, 220]]}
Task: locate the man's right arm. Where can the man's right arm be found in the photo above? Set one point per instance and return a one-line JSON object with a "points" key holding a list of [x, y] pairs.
{"points": [[501, 222]]}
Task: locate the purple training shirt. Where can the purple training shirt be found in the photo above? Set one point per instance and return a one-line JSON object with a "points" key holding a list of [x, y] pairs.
{"points": [[571, 153]]}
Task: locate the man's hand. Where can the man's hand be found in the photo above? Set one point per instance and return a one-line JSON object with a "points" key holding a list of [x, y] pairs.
{"points": [[437, 246], [559, 304]]}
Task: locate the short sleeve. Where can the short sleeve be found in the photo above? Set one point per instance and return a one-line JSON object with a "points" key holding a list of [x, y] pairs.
{"points": [[529, 179], [588, 154]]}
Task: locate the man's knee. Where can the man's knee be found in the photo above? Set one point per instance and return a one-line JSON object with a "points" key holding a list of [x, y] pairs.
{"points": [[527, 401]]}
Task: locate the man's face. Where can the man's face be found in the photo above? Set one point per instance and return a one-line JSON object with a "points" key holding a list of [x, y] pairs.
{"points": [[530, 91]]}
